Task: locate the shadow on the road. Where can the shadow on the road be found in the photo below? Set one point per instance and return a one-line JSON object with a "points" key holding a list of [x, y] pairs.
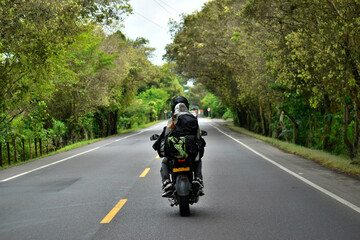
{"points": [[197, 213]]}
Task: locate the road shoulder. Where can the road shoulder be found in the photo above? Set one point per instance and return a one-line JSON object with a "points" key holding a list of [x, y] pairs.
{"points": [[339, 184]]}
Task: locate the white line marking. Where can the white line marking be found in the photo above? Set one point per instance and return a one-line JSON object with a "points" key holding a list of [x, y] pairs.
{"points": [[65, 159], [323, 190]]}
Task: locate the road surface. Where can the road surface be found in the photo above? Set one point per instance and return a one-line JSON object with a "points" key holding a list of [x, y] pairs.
{"points": [[112, 190]]}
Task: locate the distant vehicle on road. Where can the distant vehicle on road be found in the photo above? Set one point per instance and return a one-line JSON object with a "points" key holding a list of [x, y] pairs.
{"points": [[194, 111]]}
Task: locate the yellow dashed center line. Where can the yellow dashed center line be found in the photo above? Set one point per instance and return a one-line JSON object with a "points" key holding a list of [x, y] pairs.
{"points": [[120, 204], [157, 156], [145, 172], [114, 211]]}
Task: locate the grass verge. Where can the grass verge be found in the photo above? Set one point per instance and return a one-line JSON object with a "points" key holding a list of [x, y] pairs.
{"points": [[79, 144], [336, 163]]}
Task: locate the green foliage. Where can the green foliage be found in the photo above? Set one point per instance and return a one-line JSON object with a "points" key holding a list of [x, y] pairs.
{"points": [[62, 79], [149, 106], [228, 115], [211, 101], [164, 78], [33, 35], [196, 94], [154, 100], [288, 69], [59, 128], [78, 86]]}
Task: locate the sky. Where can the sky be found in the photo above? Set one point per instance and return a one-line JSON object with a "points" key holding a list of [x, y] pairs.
{"points": [[150, 20]]}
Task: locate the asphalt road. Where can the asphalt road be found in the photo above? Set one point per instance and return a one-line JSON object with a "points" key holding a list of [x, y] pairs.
{"points": [[253, 191]]}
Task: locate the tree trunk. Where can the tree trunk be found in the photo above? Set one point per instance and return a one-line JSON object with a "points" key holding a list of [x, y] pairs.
{"points": [[8, 152], [102, 128], [345, 123], [1, 160], [277, 130], [15, 153], [352, 66], [72, 140], [47, 146], [40, 146], [60, 143], [108, 124], [66, 139], [294, 125], [356, 127], [282, 125], [115, 122], [23, 149], [54, 143], [36, 151], [85, 134], [310, 136], [262, 119], [236, 117], [248, 121], [241, 117], [30, 150], [269, 121], [327, 146]]}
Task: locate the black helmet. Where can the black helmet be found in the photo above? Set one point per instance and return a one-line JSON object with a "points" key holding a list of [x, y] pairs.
{"points": [[178, 99]]}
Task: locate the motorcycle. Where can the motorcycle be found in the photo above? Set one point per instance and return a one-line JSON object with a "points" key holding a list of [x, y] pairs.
{"points": [[185, 192]]}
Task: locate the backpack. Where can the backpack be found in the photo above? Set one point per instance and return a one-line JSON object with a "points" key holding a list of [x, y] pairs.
{"points": [[181, 147], [159, 144], [182, 142]]}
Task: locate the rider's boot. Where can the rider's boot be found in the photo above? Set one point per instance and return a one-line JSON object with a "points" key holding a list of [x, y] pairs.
{"points": [[200, 184], [167, 188]]}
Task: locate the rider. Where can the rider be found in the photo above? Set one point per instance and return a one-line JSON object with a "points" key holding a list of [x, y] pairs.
{"points": [[179, 106]]}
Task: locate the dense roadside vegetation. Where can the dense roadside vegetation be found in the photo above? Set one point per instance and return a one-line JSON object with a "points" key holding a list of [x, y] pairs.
{"points": [[65, 79], [287, 69], [67, 74]]}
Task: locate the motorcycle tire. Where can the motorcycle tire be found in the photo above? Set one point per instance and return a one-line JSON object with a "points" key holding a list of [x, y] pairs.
{"points": [[184, 206]]}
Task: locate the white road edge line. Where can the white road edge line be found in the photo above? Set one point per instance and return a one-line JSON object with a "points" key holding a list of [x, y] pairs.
{"points": [[65, 159], [330, 194]]}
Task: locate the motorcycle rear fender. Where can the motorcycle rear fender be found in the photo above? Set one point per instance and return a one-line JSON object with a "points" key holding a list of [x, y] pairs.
{"points": [[182, 185]]}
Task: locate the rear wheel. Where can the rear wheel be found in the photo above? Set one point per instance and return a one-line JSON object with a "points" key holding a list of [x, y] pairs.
{"points": [[184, 206]]}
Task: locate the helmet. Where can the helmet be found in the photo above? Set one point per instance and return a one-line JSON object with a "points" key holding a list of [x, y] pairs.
{"points": [[178, 99]]}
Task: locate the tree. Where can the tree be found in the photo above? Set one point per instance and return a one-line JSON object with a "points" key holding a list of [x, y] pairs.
{"points": [[196, 94], [33, 33], [314, 54], [155, 101], [132, 70], [285, 67], [79, 89], [217, 110], [230, 66]]}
